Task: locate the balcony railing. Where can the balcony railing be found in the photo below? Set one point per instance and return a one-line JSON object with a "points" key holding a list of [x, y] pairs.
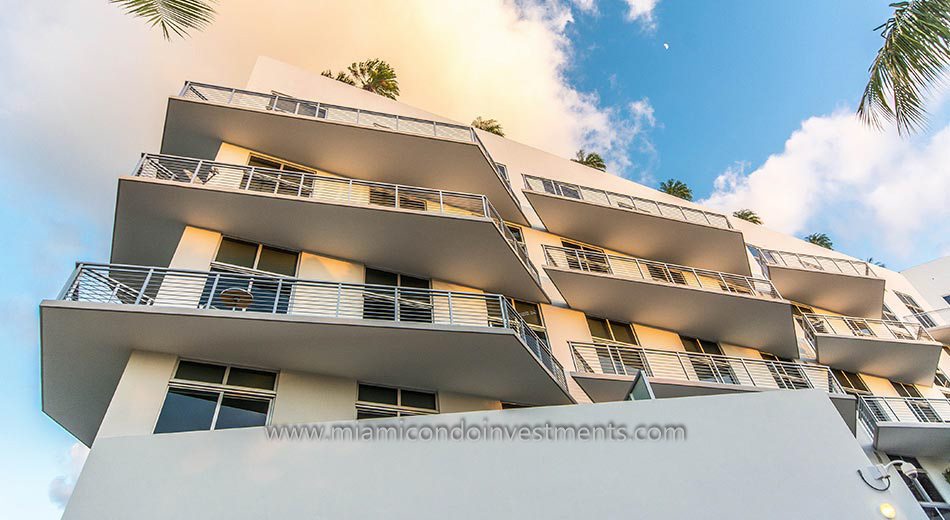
{"points": [[770, 257], [906, 410], [638, 269], [847, 326], [628, 202], [324, 188], [932, 319], [317, 110], [627, 360], [240, 290], [937, 511]]}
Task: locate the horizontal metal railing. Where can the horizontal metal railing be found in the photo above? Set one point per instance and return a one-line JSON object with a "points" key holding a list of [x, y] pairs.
{"points": [[848, 326], [621, 359], [932, 319], [628, 202], [639, 269], [239, 290], [911, 410], [325, 188], [317, 110], [936, 511], [771, 257]]}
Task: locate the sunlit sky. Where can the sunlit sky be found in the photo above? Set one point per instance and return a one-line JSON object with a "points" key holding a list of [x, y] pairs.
{"points": [[748, 102]]}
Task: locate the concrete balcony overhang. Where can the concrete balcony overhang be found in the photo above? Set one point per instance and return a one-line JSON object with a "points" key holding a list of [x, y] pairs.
{"points": [[909, 427], [761, 322], [837, 285], [467, 249], [359, 144], [85, 346], [912, 360], [644, 234]]}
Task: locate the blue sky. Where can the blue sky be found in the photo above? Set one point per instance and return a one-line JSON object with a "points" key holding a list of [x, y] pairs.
{"points": [[749, 94]]}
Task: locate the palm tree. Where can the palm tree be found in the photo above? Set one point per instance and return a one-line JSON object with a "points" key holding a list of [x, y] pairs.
{"points": [[819, 239], [340, 76], [591, 159], [489, 125], [677, 189], [172, 16], [913, 60], [374, 75], [747, 215]]}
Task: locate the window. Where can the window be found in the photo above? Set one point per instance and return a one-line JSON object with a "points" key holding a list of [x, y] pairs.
{"points": [[915, 309], [516, 234], [374, 401], [946, 298], [923, 488], [410, 302], [288, 180], [941, 379], [585, 258], [250, 255], [887, 314], [529, 312], [921, 408], [502, 170], [207, 396], [851, 382], [710, 369], [611, 331]]}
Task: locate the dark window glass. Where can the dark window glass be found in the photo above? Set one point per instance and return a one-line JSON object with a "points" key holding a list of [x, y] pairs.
{"points": [[529, 312], [277, 261], [851, 381], [375, 414], [418, 399], [905, 390], [378, 394], [237, 252], [598, 328], [413, 282], [261, 162], [947, 299], [941, 379], [513, 406], [186, 410], [516, 233], [252, 378], [241, 412], [377, 277], [700, 346], [204, 372], [623, 333]]}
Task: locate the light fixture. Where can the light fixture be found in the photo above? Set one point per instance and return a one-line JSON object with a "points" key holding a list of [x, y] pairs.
{"points": [[888, 510], [877, 476]]}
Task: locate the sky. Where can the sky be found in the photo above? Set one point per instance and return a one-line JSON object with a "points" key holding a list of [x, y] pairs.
{"points": [[750, 103]]}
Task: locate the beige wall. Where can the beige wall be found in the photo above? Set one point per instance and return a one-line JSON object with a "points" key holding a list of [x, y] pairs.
{"points": [[139, 396], [305, 398]]}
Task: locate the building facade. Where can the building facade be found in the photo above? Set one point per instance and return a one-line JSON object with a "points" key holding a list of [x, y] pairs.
{"points": [[302, 251]]}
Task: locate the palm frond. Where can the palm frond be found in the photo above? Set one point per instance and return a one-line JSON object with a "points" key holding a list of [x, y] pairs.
{"points": [[913, 60], [376, 76], [820, 239], [176, 17], [489, 125], [748, 215], [591, 159], [677, 189]]}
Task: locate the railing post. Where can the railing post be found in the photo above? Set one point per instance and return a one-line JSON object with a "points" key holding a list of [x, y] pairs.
{"points": [[349, 192], [194, 176], [397, 196], [451, 316], [726, 286], [231, 96], [397, 122], [679, 357], [397, 306], [358, 116], [280, 284], [441, 203], [250, 176], [300, 184], [747, 372], [73, 277], [148, 278], [339, 298], [504, 312], [214, 288], [485, 207]]}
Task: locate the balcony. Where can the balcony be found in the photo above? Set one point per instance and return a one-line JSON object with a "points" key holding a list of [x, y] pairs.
{"points": [[936, 322], [838, 285], [462, 342], [694, 302], [459, 237], [606, 372], [639, 226], [900, 351], [358, 143], [913, 427]]}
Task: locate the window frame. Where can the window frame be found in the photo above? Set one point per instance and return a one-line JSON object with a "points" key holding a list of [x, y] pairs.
{"points": [[257, 258], [222, 389], [613, 338], [398, 409], [847, 384]]}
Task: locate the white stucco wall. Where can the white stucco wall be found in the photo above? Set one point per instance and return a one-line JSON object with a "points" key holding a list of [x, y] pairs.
{"points": [[932, 280]]}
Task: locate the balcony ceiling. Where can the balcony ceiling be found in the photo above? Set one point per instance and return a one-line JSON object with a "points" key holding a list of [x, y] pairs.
{"points": [[196, 129], [750, 321], [151, 215], [898, 360], [913, 439], [642, 234], [850, 295], [940, 333], [85, 346]]}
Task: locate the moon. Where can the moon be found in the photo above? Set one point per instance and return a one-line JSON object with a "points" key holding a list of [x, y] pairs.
{"points": [[666, 46]]}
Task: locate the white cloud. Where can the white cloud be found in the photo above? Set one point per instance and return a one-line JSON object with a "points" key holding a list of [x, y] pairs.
{"points": [[61, 487], [642, 11], [860, 185]]}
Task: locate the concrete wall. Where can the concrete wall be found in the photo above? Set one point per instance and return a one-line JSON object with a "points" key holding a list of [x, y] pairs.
{"points": [[139, 397], [734, 463], [932, 280]]}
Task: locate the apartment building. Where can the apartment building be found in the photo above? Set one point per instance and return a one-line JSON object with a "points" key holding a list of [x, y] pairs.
{"points": [[302, 251]]}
